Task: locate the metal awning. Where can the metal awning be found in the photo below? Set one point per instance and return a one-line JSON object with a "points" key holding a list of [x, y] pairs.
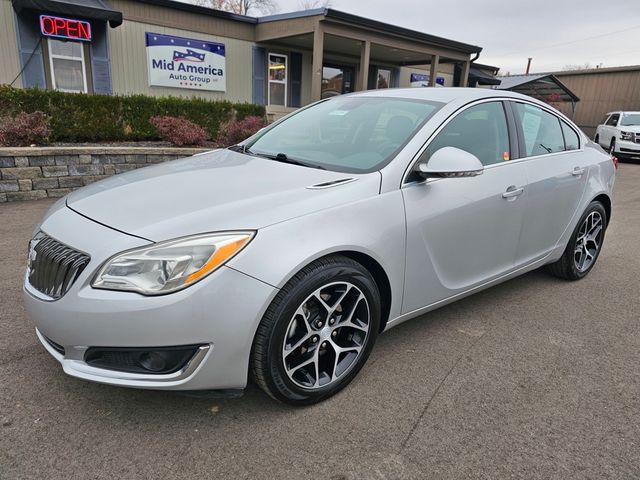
{"points": [[89, 9], [482, 77], [543, 86]]}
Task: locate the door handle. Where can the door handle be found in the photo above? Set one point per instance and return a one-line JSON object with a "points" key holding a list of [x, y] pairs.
{"points": [[513, 192], [577, 171]]}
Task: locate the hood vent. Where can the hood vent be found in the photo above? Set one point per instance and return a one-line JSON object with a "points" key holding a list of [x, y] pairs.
{"points": [[332, 183]]}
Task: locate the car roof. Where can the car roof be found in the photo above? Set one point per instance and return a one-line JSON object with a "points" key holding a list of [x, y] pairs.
{"points": [[441, 94]]}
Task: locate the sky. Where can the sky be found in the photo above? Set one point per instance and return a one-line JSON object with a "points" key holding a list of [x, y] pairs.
{"points": [[555, 33]]}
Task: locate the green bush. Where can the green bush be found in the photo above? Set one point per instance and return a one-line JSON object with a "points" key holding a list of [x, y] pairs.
{"points": [[105, 118]]}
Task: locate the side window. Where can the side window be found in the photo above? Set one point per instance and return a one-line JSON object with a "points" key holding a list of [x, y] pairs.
{"points": [[613, 120], [571, 139], [480, 130], [542, 133]]}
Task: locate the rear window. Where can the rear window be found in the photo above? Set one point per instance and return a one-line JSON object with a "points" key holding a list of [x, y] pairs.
{"points": [[542, 131], [571, 139]]}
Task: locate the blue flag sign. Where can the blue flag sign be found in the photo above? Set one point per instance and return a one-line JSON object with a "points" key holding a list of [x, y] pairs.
{"points": [[422, 80], [189, 63]]}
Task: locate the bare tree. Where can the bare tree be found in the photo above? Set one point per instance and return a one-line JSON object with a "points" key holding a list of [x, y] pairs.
{"points": [[584, 66], [312, 4], [241, 7]]}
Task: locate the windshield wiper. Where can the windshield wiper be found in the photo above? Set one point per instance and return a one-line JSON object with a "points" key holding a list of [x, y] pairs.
{"points": [[282, 157]]}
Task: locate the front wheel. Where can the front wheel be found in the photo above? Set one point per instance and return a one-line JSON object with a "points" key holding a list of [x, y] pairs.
{"points": [[612, 147], [584, 246], [318, 332]]}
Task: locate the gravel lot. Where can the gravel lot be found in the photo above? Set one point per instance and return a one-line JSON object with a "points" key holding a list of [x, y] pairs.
{"points": [[535, 378]]}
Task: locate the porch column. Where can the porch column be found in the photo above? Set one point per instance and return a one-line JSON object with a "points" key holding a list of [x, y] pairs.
{"points": [[363, 78], [433, 73], [316, 68], [464, 74]]}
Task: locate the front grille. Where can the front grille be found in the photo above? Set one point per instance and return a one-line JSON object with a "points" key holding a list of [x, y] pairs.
{"points": [[54, 266], [637, 137]]}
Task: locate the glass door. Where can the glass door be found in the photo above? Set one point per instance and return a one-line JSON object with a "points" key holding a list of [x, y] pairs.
{"points": [[336, 80]]}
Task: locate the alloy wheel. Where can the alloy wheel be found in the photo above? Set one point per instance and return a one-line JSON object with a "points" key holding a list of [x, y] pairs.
{"points": [[326, 335], [588, 241]]}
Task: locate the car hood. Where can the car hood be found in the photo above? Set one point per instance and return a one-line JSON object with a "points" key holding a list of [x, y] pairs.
{"points": [[630, 128], [219, 190]]}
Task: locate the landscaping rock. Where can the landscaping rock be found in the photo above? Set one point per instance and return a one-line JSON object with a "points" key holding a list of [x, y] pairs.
{"points": [[55, 171], [30, 195], [20, 173]]}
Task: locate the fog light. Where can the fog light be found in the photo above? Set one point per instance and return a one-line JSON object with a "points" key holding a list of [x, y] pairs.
{"points": [[153, 361], [160, 360]]}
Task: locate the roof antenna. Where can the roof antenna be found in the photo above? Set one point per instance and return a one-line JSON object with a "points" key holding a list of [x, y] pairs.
{"points": [[528, 66]]}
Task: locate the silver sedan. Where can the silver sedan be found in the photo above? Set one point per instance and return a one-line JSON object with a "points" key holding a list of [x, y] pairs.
{"points": [[282, 258]]}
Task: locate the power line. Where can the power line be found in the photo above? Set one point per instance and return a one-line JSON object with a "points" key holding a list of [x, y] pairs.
{"points": [[519, 52], [27, 62]]}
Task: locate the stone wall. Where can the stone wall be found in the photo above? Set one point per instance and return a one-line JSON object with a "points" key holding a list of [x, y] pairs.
{"points": [[50, 172]]}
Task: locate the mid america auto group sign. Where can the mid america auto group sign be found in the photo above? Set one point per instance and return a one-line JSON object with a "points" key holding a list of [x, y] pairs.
{"points": [[185, 63]]}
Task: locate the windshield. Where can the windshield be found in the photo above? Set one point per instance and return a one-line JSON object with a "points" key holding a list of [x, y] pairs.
{"points": [[630, 119], [347, 134]]}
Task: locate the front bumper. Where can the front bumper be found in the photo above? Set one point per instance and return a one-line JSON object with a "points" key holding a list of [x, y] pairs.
{"points": [[221, 313], [630, 149]]}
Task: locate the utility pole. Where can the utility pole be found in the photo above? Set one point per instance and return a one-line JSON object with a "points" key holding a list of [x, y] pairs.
{"points": [[528, 66]]}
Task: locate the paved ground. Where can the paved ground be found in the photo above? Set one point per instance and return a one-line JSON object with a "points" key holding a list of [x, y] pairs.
{"points": [[536, 378]]}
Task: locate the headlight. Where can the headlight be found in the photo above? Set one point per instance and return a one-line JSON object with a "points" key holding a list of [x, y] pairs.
{"points": [[626, 136], [169, 266]]}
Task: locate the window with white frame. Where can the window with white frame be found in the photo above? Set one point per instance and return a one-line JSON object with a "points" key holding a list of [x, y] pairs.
{"points": [[277, 79], [68, 66]]}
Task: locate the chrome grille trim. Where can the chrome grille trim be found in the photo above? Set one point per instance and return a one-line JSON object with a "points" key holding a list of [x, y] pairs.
{"points": [[53, 266]]}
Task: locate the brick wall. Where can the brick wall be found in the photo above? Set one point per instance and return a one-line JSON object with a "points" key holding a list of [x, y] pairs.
{"points": [[35, 173]]}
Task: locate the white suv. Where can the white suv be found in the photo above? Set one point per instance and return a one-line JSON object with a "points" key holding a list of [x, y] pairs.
{"points": [[620, 134]]}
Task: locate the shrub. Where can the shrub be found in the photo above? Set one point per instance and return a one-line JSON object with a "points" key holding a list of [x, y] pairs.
{"points": [[105, 118], [179, 131], [24, 130], [236, 131]]}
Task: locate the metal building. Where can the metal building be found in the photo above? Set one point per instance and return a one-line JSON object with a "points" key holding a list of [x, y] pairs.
{"points": [[601, 90]]}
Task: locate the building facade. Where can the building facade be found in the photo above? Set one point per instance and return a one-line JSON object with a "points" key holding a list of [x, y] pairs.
{"points": [[164, 47]]}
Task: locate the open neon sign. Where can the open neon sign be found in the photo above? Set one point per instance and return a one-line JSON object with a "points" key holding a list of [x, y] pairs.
{"points": [[66, 28]]}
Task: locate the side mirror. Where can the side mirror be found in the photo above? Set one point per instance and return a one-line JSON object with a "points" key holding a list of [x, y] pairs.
{"points": [[451, 162]]}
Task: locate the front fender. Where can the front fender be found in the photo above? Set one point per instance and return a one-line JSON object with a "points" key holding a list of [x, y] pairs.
{"points": [[374, 226]]}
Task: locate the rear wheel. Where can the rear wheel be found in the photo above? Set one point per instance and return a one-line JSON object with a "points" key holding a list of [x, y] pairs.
{"points": [[584, 246], [597, 139], [318, 332]]}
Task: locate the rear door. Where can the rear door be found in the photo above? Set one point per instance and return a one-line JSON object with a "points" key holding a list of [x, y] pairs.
{"points": [[556, 178]]}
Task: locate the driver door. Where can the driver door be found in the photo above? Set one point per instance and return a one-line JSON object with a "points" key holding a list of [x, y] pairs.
{"points": [[463, 232]]}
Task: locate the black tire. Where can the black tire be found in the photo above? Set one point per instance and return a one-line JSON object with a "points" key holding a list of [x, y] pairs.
{"points": [[267, 363], [597, 139], [612, 146], [566, 267]]}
